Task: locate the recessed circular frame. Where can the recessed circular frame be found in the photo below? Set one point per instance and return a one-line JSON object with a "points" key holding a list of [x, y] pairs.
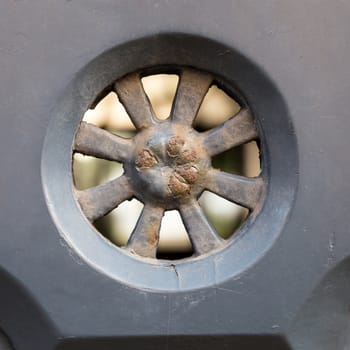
{"points": [[168, 163]]}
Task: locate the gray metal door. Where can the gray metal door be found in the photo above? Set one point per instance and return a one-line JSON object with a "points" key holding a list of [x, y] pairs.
{"points": [[282, 281]]}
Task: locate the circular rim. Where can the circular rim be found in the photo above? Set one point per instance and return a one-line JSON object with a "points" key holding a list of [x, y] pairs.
{"points": [[280, 163]]}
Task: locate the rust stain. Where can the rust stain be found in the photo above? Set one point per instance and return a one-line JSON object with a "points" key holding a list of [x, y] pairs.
{"points": [[153, 236], [190, 173], [178, 186], [187, 156], [145, 159], [174, 146]]}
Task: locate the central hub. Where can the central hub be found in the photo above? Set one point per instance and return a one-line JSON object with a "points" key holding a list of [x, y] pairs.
{"points": [[179, 167], [168, 165]]}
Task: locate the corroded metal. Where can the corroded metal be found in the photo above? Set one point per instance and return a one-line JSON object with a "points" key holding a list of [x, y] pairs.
{"points": [[168, 164], [132, 95], [174, 146], [203, 236], [234, 132], [93, 141], [100, 200], [193, 86], [145, 159], [145, 236], [238, 189]]}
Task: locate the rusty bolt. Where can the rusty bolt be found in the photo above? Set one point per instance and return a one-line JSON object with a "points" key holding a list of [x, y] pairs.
{"points": [[174, 146], [177, 187], [189, 174], [145, 159], [187, 156]]}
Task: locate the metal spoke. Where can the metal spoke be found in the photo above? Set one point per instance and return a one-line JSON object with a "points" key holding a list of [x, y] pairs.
{"points": [[98, 201], [236, 131], [244, 191], [145, 236], [93, 141], [132, 95], [203, 236], [193, 86]]}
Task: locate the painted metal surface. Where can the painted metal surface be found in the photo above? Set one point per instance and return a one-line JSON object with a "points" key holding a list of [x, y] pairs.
{"points": [[284, 284]]}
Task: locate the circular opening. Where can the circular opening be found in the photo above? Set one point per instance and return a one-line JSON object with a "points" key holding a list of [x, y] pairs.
{"points": [[190, 110], [190, 155]]}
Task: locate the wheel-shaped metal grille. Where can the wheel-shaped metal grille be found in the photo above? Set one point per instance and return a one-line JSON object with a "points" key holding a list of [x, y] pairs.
{"points": [[167, 164]]}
